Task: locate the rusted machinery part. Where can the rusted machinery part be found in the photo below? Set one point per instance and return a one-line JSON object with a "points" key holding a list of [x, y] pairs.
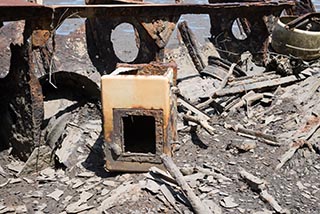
{"points": [[69, 85], [302, 41], [230, 47], [152, 35], [100, 46], [255, 27]]}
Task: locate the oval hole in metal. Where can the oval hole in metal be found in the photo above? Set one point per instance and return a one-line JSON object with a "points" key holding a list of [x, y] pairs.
{"points": [[125, 42], [238, 31]]}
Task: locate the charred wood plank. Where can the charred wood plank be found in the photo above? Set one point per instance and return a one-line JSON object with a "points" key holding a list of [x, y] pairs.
{"points": [[259, 85], [190, 42]]}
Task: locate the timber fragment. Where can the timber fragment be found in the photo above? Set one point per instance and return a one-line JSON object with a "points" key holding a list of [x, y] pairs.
{"points": [[195, 202], [203, 123], [190, 42], [259, 186]]}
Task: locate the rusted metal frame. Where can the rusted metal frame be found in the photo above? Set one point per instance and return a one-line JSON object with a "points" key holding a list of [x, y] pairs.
{"points": [[16, 3], [151, 41], [145, 10], [151, 34], [99, 42], [230, 47], [118, 115], [15, 13], [9, 12], [23, 100]]}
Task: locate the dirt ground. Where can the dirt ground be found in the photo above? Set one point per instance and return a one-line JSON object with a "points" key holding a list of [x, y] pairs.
{"points": [[211, 163]]}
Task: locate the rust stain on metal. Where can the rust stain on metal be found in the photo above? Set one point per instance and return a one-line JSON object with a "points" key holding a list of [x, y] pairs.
{"points": [[40, 38], [146, 101]]}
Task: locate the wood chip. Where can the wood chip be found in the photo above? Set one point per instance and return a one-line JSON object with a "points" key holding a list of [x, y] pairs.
{"points": [[203, 123], [228, 202], [15, 180], [259, 186], [152, 186], [2, 207], [192, 108], [162, 174], [5, 183], [15, 166], [29, 181], [2, 172], [77, 183], [86, 174], [289, 153], [110, 183], [56, 194], [215, 208], [7, 210], [167, 194], [84, 197], [119, 196], [21, 209], [77, 208]]}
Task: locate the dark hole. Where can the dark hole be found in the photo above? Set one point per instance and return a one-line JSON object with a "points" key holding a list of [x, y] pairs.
{"points": [[139, 134]]}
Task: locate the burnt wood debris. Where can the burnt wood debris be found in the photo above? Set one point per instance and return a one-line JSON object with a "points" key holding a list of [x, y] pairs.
{"points": [[229, 123]]}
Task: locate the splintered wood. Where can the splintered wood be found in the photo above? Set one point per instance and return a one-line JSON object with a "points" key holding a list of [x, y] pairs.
{"points": [[301, 139], [259, 186], [195, 202]]}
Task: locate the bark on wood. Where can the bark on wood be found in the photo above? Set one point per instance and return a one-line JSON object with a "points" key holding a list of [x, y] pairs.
{"points": [[202, 123], [195, 202], [191, 44]]}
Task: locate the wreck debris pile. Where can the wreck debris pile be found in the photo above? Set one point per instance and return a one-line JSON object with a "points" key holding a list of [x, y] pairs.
{"points": [[246, 140]]}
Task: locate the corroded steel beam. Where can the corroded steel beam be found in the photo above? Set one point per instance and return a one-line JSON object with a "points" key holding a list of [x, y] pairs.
{"points": [[16, 12]]}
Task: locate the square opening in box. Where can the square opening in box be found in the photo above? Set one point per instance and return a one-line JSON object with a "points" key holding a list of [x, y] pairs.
{"points": [[139, 134]]}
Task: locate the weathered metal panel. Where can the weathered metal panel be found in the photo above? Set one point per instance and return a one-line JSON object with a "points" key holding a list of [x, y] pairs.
{"points": [[144, 94]]}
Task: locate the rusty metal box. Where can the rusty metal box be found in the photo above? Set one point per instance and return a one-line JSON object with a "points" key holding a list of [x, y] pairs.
{"points": [[139, 115]]}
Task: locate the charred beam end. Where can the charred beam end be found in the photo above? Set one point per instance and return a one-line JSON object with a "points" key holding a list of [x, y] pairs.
{"points": [[191, 44]]}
